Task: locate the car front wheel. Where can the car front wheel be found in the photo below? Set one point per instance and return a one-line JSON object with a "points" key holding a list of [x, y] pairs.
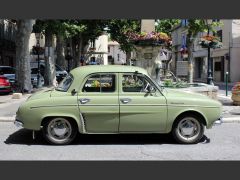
{"points": [[188, 130], [59, 131]]}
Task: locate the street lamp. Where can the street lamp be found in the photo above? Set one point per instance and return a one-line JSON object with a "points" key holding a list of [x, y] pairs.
{"points": [[68, 57], [209, 70], [37, 35]]}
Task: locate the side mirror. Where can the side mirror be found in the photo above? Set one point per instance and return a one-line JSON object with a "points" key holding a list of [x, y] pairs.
{"points": [[73, 92], [150, 89]]}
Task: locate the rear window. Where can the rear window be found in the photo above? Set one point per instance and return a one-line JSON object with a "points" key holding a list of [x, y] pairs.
{"points": [[6, 70]]}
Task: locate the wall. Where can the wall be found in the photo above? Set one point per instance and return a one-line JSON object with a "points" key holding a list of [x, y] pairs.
{"points": [[114, 51], [101, 44], [235, 52]]}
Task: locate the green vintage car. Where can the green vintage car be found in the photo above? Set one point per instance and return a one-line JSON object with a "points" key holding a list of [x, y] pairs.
{"points": [[116, 99]]}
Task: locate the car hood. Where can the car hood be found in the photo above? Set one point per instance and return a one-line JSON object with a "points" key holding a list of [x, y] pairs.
{"points": [[41, 94], [189, 98], [180, 93]]}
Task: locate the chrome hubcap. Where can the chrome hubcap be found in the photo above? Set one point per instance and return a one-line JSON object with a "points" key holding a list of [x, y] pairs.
{"points": [[188, 128], [59, 129]]}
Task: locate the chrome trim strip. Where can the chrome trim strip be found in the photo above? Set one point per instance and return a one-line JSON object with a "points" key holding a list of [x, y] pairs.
{"points": [[83, 124], [47, 106], [171, 105], [98, 104]]}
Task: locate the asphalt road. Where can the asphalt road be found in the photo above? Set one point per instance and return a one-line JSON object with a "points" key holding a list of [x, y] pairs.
{"points": [[220, 143]]}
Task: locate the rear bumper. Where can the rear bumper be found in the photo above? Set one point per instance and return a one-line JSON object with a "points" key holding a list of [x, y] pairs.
{"points": [[5, 89], [218, 122]]}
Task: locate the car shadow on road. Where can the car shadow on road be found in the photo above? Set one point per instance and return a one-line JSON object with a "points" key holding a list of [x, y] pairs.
{"points": [[24, 137]]}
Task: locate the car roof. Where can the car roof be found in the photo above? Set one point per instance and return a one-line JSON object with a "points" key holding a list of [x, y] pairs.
{"points": [[6, 67], [106, 68]]}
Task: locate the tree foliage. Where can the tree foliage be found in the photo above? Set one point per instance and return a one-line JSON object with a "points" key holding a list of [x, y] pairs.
{"points": [[194, 27], [166, 25], [118, 29]]}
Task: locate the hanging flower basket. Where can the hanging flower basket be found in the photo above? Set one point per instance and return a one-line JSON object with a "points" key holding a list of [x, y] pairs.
{"points": [[210, 41], [184, 52], [236, 93], [37, 49], [92, 49], [147, 39]]}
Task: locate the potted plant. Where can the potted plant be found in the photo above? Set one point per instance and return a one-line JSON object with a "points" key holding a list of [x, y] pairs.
{"points": [[152, 38], [38, 49], [236, 93]]}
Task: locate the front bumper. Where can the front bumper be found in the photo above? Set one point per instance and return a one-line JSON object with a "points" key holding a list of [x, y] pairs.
{"points": [[18, 123], [218, 122]]}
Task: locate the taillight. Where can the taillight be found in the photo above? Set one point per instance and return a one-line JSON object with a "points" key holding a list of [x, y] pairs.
{"points": [[4, 81]]}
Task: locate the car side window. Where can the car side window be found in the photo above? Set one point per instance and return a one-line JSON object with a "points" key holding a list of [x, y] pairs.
{"points": [[100, 83], [134, 83]]}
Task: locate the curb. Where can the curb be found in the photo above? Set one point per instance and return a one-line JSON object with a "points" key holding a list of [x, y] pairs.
{"points": [[7, 118], [231, 120]]}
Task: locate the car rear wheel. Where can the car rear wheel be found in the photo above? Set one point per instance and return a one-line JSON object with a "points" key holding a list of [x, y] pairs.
{"points": [[188, 130], [59, 131]]}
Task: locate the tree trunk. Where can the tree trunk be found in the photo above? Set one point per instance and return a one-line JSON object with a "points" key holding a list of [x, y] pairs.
{"points": [[79, 51], [60, 51], [74, 52], [50, 71], [23, 70], [128, 58], [190, 62]]}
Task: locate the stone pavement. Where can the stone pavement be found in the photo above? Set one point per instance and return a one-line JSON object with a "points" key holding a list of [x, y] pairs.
{"points": [[9, 106]]}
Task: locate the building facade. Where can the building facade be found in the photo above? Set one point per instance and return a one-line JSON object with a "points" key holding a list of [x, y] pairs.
{"points": [[115, 54], [7, 43], [225, 59]]}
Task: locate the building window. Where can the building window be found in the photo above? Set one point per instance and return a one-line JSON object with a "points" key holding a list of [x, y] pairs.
{"points": [[108, 49], [184, 22], [216, 20], [218, 66], [219, 34]]}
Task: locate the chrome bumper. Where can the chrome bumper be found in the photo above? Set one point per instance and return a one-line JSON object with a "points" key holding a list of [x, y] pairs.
{"points": [[218, 122], [18, 123]]}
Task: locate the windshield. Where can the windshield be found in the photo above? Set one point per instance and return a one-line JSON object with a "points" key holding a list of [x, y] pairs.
{"points": [[65, 83]]}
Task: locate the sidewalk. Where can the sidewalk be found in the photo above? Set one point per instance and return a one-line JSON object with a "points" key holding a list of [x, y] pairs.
{"points": [[9, 106]]}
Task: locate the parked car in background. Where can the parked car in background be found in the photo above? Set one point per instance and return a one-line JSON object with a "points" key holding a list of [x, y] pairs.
{"points": [[112, 100], [8, 72], [34, 76], [60, 73], [5, 86]]}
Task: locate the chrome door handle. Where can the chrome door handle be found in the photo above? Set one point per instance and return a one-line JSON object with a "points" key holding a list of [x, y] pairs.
{"points": [[125, 100], [84, 100]]}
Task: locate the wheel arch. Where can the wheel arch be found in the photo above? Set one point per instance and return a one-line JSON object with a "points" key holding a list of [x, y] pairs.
{"points": [[191, 112], [70, 118]]}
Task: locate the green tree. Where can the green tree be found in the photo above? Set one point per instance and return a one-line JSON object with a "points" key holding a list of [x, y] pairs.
{"points": [[118, 29], [195, 26], [166, 25]]}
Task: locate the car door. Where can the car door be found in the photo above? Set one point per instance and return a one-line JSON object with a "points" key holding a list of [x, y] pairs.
{"points": [[140, 111], [98, 103]]}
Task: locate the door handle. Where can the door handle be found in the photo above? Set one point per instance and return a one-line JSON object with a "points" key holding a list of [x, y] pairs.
{"points": [[125, 100], [84, 100]]}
